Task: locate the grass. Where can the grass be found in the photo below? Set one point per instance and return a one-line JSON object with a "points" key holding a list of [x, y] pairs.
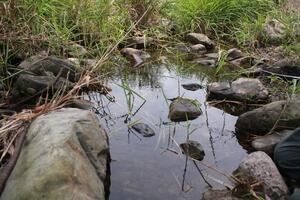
{"points": [[215, 17]]}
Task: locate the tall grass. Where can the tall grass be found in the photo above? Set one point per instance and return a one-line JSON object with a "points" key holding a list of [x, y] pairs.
{"points": [[95, 24], [215, 16]]}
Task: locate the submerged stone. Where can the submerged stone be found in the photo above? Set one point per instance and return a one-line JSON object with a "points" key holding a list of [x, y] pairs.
{"points": [[192, 86], [193, 149], [182, 109], [143, 129]]}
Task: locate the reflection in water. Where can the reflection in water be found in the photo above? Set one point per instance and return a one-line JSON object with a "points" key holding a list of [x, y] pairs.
{"points": [[155, 168]]}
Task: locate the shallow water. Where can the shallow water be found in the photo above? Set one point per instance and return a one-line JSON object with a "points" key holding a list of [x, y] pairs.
{"points": [[154, 168]]}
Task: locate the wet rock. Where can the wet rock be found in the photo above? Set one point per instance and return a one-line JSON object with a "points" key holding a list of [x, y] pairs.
{"points": [[213, 194], [193, 149], [206, 62], [28, 85], [268, 142], [183, 48], [41, 65], [182, 109], [192, 86], [242, 89], [287, 72], [136, 56], [286, 114], [258, 167], [76, 50], [273, 32], [233, 54], [83, 62], [81, 104], [198, 48], [244, 62], [283, 62], [199, 38], [143, 129], [137, 42], [214, 56], [65, 156]]}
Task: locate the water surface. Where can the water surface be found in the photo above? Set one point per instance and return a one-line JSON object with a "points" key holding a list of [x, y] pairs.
{"points": [[154, 168]]}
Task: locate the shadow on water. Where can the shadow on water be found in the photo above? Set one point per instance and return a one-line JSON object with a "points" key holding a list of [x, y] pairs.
{"points": [[154, 167]]}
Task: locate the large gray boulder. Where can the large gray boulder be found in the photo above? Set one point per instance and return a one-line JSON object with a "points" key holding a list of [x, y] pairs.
{"points": [[242, 89], [65, 156], [258, 167], [283, 114]]}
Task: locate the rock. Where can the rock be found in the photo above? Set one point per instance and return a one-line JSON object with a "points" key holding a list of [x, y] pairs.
{"points": [[193, 149], [283, 63], [268, 142], [259, 167], [183, 48], [262, 120], [135, 56], [242, 89], [287, 72], [182, 109], [143, 129], [206, 62], [198, 48], [273, 32], [28, 85], [76, 50], [81, 104], [212, 194], [41, 65], [199, 38], [244, 62], [137, 42], [83, 62], [192, 86], [233, 54], [65, 156], [214, 56]]}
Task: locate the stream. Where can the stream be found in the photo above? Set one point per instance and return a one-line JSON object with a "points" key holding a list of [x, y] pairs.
{"points": [[151, 168]]}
